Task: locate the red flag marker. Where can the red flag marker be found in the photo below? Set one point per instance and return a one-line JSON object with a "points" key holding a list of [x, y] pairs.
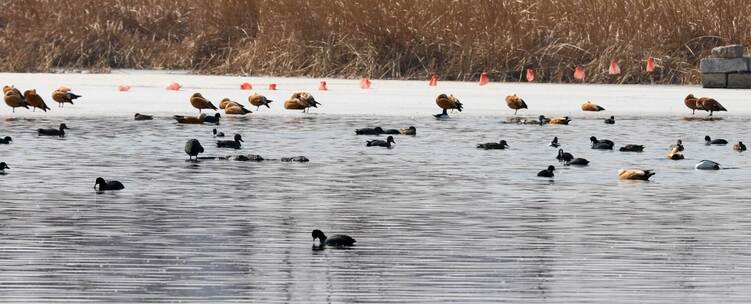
{"points": [[123, 88], [530, 75], [484, 79], [579, 73], [272, 86], [365, 83], [614, 69], [323, 86], [246, 86], [650, 64], [433, 80], [174, 86]]}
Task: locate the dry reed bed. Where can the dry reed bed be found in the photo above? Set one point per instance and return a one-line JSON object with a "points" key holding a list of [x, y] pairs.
{"points": [[380, 38]]}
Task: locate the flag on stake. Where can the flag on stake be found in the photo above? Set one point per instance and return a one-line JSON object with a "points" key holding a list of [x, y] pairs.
{"points": [[246, 86], [272, 86], [365, 83], [433, 80], [484, 79], [579, 73], [174, 86], [323, 86], [614, 69], [650, 64], [123, 88], [530, 75]]}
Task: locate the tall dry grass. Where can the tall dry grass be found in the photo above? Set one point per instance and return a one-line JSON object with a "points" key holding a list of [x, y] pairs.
{"points": [[457, 39]]}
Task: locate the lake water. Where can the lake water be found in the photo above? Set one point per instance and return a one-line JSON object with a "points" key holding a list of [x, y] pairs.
{"points": [[436, 220]]}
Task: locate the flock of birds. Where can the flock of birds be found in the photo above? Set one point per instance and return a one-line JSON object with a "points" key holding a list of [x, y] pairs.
{"points": [[304, 101]]}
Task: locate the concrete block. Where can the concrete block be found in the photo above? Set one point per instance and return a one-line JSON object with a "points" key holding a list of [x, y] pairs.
{"points": [[739, 81], [728, 51], [722, 65], [716, 80]]}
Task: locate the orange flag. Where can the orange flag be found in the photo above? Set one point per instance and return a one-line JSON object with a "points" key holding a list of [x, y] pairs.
{"points": [[579, 73], [650, 64], [246, 86], [614, 69], [484, 79], [433, 80], [365, 83], [530, 75]]}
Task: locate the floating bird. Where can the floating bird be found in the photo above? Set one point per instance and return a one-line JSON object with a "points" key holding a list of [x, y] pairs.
{"points": [[369, 131], [501, 145], [447, 102], [189, 119], [107, 185], [740, 147], [200, 103], [193, 148], [14, 99], [339, 240], [675, 154], [408, 131], [515, 103], [236, 110], [547, 172], [301, 159], [707, 165], [60, 131], [34, 100], [577, 162], [6, 140], [249, 157], [604, 144], [591, 107], [691, 102], [212, 119], [635, 174], [610, 120], [217, 133], [259, 100], [63, 95], [719, 141], [140, 116], [678, 144], [381, 143], [564, 157], [710, 105], [233, 144], [554, 143], [559, 120], [632, 148], [3, 166]]}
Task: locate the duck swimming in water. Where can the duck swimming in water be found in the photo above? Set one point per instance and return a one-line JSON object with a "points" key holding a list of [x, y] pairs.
{"points": [[547, 172], [740, 147], [212, 119], [604, 144], [719, 141], [217, 133], [447, 103], [678, 144], [6, 140], [189, 119], [338, 240], [554, 143], [707, 165], [610, 120], [140, 116], [104, 185], [675, 154], [369, 131], [408, 131], [564, 157], [381, 143], [577, 162], [193, 148], [589, 106], [233, 144], [632, 148], [53, 132], [501, 145], [559, 120], [635, 174], [515, 103], [3, 166]]}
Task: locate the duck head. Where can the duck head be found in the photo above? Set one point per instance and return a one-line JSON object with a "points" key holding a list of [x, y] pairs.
{"points": [[378, 130], [412, 128], [318, 234], [196, 95], [3, 166], [238, 138], [7, 139], [503, 143], [390, 139], [63, 126], [99, 182], [690, 96], [593, 139], [551, 168], [217, 115], [707, 138]]}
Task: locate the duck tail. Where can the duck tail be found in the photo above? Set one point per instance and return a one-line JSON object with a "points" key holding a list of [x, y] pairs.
{"points": [[267, 103], [73, 96], [459, 106]]}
